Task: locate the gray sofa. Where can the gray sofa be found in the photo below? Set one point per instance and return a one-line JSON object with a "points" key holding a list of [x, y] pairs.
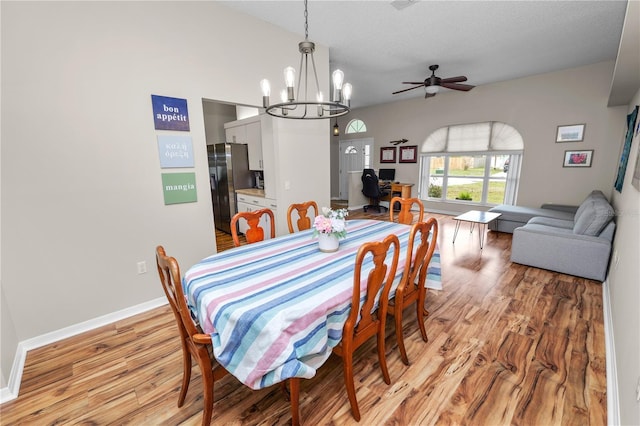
{"points": [[574, 240]]}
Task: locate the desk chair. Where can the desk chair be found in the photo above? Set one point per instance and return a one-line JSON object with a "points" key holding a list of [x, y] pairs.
{"points": [[354, 334], [194, 342], [255, 232], [411, 289], [405, 215], [371, 189], [303, 222]]}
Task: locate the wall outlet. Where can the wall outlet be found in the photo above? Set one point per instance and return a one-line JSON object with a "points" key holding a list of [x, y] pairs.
{"points": [[616, 259], [638, 390], [142, 267]]}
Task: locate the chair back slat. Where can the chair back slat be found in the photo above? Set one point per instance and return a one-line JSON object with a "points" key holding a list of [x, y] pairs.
{"points": [[255, 232], [405, 215], [304, 221]]}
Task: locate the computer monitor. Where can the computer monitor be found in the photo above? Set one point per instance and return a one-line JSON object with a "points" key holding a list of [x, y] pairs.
{"points": [[387, 175]]}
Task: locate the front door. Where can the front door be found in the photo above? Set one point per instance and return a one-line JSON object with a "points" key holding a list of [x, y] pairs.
{"points": [[355, 155]]}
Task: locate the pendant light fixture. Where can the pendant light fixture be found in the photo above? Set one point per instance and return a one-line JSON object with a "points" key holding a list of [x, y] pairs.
{"points": [[336, 128], [300, 106]]}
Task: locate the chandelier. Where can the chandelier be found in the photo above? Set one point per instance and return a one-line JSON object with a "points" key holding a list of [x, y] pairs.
{"points": [[297, 107]]}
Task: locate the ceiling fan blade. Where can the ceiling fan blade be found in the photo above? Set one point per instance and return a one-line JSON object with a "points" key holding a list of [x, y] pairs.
{"points": [[413, 82], [429, 95], [410, 88], [457, 86], [458, 79]]}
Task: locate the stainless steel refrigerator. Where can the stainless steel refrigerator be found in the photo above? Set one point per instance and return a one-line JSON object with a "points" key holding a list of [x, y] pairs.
{"points": [[228, 171]]}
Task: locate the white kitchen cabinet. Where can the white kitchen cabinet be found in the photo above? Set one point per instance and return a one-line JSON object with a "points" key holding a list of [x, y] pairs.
{"points": [[254, 142], [236, 134], [247, 131]]}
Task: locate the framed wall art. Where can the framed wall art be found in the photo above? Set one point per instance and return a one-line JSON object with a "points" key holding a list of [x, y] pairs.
{"points": [[578, 158], [570, 133], [409, 154], [388, 154]]}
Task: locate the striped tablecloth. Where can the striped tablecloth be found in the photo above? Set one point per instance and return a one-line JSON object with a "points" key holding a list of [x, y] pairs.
{"points": [[276, 308]]}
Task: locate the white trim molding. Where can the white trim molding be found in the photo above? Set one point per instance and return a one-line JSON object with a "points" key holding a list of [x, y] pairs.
{"points": [[13, 386], [613, 403]]}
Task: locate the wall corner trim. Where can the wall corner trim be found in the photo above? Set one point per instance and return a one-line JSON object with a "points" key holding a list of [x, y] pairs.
{"points": [[13, 386], [613, 403]]}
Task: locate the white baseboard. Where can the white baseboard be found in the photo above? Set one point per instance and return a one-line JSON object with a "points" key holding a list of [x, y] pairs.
{"points": [[613, 403], [15, 377]]}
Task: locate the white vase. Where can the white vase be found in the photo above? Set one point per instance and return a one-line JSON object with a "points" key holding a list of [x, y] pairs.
{"points": [[328, 243]]}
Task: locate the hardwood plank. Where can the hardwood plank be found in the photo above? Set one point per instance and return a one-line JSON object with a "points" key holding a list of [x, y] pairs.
{"points": [[508, 344]]}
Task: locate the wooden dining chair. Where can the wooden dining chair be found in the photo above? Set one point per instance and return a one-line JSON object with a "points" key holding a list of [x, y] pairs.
{"points": [[198, 345], [194, 342], [354, 334], [255, 232], [405, 215], [304, 221], [411, 289]]}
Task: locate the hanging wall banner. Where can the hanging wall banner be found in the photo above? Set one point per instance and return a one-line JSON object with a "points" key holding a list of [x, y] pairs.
{"points": [[179, 188], [175, 151], [170, 113]]}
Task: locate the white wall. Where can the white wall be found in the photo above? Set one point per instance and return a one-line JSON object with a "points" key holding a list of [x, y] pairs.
{"points": [[81, 189], [624, 287], [535, 106]]}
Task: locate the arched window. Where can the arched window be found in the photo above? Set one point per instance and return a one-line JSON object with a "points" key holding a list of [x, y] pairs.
{"points": [[356, 126], [472, 163]]}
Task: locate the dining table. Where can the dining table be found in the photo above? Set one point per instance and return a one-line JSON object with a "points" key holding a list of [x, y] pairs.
{"points": [[276, 308]]}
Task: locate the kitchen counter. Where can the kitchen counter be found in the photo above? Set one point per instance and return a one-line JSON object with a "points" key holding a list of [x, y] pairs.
{"points": [[255, 192]]}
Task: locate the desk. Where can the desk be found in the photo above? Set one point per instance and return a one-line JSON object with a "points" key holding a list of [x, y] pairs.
{"points": [[398, 189], [276, 308]]}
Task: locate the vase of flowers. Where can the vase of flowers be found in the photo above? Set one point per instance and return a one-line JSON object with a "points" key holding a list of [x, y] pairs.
{"points": [[329, 227]]}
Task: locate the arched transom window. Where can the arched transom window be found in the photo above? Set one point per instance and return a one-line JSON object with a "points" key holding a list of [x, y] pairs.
{"points": [[356, 126]]}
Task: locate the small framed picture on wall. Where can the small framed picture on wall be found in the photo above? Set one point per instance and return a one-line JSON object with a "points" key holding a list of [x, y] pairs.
{"points": [[578, 158], [409, 154], [570, 133], [388, 154]]}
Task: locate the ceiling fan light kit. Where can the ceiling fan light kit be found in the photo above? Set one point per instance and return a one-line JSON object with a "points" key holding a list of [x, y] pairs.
{"points": [[432, 84], [304, 108]]}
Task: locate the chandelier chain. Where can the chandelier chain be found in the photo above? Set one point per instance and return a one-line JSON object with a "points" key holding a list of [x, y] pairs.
{"points": [[306, 21]]}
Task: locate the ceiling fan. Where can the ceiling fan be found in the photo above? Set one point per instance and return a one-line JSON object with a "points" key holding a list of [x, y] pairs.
{"points": [[433, 83]]}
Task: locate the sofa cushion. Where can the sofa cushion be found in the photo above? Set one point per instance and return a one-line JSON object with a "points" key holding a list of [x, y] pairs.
{"points": [[550, 221], [523, 214], [586, 204], [592, 216]]}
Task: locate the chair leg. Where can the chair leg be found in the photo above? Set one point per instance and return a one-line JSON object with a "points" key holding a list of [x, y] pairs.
{"points": [[347, 368], [397, 316], [381, 353], [294, 386], [186, 374], [207, 385], [420, 314]]}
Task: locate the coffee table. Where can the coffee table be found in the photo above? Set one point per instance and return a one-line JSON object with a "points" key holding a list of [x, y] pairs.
{"points": [[475, 216]]}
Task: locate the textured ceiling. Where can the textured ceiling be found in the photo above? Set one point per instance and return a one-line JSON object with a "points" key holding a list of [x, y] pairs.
{"points": [[378, 45]]}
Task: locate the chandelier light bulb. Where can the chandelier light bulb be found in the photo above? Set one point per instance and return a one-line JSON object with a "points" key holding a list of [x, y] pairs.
{"points": [[266, 87], [347, 89], [320, 99], [289, 76], [338, 78], [266, 92]]}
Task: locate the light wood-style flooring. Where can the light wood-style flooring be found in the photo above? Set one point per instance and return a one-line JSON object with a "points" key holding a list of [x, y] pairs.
{"points": [[508, 344]]}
